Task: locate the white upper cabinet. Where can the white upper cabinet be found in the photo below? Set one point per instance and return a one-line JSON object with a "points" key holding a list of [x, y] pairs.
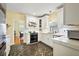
{"points": [[60, 19], [2, 20], [71, 14], [2, 12]]}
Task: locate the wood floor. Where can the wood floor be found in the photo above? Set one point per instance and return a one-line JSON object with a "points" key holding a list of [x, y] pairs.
{"points": [[36, 49], [17, 40]]}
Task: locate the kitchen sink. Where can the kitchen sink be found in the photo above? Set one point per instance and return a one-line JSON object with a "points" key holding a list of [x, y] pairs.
{"points": [[55, 36]]}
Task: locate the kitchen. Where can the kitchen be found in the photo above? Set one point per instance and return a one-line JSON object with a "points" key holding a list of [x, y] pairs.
{"points": [[52, 26]]}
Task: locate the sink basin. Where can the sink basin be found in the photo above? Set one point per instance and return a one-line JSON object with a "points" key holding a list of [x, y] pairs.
{"points": [[54, 36]]}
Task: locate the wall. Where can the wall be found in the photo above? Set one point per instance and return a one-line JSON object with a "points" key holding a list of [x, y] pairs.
{"points": [[56, 20], [53, 21], [11, 18]]}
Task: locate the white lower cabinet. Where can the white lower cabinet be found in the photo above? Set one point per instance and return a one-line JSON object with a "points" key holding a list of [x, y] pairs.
{"points": [[45, 38], [60, 50], [49, 42]]}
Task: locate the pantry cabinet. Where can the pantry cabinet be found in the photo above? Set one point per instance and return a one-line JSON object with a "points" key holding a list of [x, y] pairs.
{"points": [[71, 14], [68, 14]]}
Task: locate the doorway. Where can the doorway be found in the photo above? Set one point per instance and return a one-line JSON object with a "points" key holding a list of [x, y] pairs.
{"points": [[18, 32]]}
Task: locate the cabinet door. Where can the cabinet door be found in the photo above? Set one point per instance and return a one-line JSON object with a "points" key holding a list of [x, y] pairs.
{"points": [[50, 42], [60, 18], [60, 50], [46, 38], [71, 13], [2, 17]]}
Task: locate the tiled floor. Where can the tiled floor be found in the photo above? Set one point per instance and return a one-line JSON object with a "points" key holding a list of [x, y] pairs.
{"points": [[2, 49], [36, 49]]}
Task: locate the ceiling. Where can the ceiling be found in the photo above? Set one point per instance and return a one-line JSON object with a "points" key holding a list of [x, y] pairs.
{"points": [[32, 8]]}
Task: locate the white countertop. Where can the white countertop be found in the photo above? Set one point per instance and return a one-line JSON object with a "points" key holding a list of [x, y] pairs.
{"points": [[74, 44], [72, 28]]}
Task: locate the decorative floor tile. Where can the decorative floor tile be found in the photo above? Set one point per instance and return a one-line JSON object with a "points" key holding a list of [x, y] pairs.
{"points": [[36, 49]]}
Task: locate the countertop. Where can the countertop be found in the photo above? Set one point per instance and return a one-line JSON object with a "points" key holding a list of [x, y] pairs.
{"points": [[70, 43], [75, 28]]}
